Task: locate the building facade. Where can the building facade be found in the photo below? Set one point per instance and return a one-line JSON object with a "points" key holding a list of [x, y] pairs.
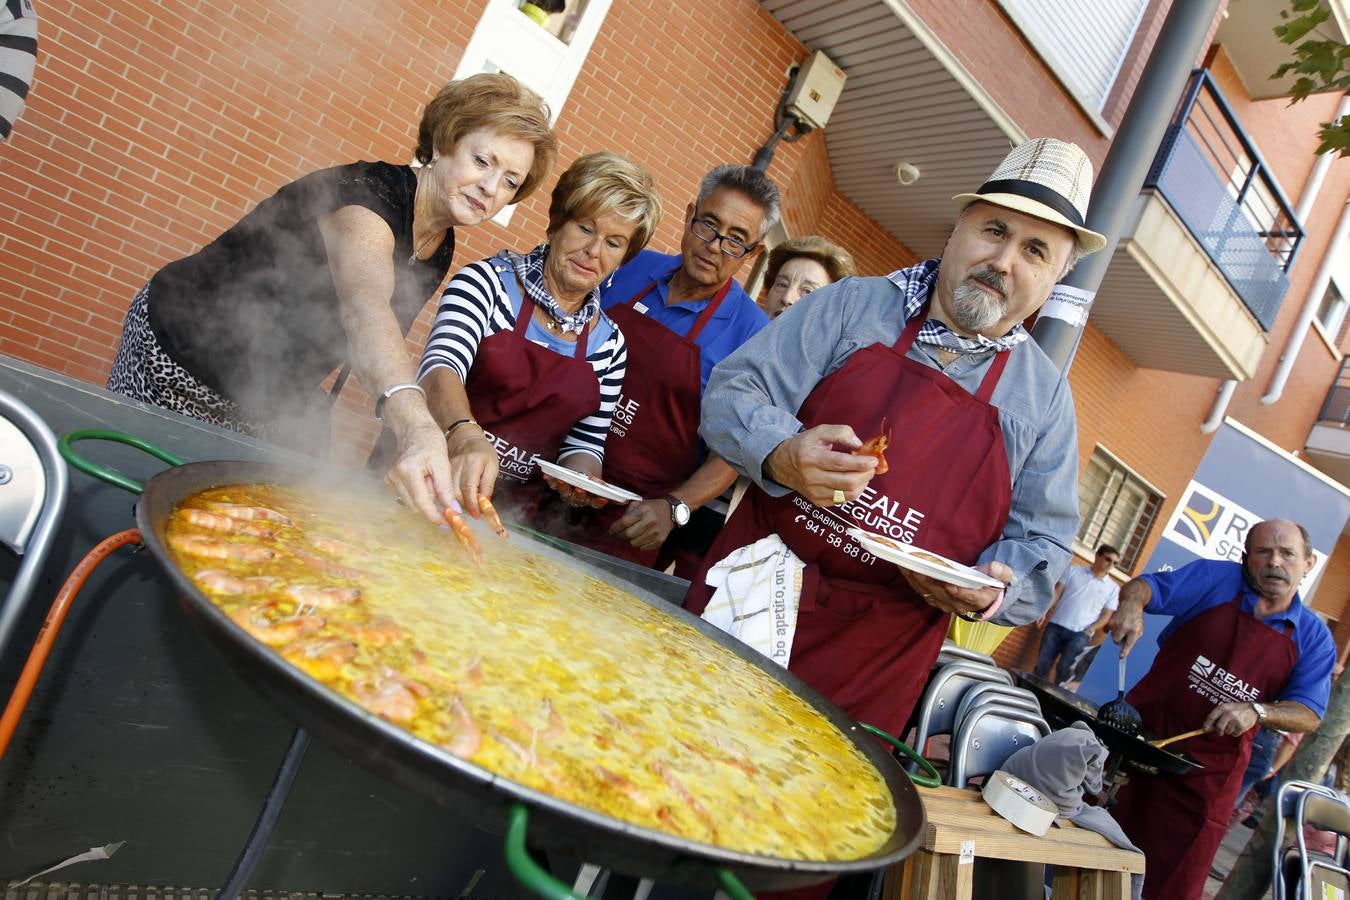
{"points": [[154, 125]]}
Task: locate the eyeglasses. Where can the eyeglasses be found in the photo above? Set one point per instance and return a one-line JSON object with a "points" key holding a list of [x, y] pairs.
{"points": [[705, 232]]}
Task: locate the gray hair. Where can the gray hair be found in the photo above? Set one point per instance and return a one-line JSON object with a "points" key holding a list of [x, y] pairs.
{"points": [[749, 181]]}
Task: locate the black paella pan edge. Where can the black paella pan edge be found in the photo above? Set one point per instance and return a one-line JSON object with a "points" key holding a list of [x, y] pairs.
{"points": [[1066, 707]]}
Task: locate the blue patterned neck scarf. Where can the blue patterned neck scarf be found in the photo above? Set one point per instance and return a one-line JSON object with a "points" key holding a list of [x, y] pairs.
{"points": [[530, 268], [917, 283]]}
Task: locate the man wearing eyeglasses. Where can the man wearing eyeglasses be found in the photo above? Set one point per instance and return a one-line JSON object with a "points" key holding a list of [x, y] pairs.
{"points": [[680, 315]]}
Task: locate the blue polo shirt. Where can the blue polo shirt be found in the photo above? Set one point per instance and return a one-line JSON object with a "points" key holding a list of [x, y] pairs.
{"points": [[735, 322], [1204, 584]]}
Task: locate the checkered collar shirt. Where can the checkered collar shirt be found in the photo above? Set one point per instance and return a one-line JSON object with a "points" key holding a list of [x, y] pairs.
{"points": [[916, 284]]}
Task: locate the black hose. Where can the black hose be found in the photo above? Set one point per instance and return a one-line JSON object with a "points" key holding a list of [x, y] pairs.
{"points": [[267, 818]]}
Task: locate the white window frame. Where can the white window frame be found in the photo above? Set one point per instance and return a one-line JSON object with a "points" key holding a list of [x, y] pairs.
{"points": [[506, 40], [1088, 550]]}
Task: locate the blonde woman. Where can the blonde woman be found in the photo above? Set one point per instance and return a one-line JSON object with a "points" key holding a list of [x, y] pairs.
{"points": [[328, 273], [521, 364]]}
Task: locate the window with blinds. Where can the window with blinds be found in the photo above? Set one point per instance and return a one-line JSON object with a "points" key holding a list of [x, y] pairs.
{"points": [[1115, 507], [1083, 41]]}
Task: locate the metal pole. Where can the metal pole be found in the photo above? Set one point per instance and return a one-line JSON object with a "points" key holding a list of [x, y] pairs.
{"points": [[1060, 325]]}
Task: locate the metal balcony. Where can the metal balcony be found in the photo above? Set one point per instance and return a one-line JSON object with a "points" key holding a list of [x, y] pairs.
{"points": [[1213, 177], [1202, 265]]}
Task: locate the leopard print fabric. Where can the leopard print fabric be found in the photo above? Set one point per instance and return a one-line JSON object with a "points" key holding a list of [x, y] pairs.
{"points": [[144, 372]]}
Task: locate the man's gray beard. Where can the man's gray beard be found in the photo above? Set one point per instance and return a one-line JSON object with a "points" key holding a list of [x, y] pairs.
{"points": [[974, 309]]}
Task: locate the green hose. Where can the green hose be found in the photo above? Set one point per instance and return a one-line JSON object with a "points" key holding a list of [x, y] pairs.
{"points": [[932, 780]]}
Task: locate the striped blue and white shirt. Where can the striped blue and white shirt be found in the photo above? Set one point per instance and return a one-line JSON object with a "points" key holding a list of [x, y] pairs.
{"points": [[18, 56], [475, 305]]}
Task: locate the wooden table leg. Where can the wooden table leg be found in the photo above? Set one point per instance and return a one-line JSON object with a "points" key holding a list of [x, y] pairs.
{"points": [[927, 876], [1089, 884], [1064, 886]]}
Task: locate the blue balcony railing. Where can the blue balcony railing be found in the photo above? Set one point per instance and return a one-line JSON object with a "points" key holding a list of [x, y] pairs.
{"points": [[1336, 408], [1213, 177]]}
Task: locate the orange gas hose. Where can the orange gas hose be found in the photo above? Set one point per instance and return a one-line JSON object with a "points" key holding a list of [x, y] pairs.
{"points": [[51, 627]]}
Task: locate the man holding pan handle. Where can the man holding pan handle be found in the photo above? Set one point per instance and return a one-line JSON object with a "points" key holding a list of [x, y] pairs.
{"points": [[1241, 651], [982, 465]]}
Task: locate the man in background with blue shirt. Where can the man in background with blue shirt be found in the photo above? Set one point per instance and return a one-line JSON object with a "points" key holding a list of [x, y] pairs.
{"points": [[680, 314], [1241, 651]]}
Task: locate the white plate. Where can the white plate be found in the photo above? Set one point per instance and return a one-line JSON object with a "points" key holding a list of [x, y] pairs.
{"points": [[578, 480], [915, 559]]}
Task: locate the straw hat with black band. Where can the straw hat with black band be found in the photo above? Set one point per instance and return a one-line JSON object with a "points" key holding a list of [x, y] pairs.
{"points": [[1046, 178]]}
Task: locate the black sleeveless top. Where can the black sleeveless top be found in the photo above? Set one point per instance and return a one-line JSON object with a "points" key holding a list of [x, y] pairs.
{"points": [[254, 314]]}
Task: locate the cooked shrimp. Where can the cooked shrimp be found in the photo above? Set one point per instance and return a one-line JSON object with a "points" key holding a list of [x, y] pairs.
{"points": [[216, 522], [624, 786], [684, 794], [322, 658], [486, 508], [222, 582], [523, 753], [211, 548], [249, 513], [376, 631], [464, 535], [328, 567], [473, 675], [876, 446], [320, 596], [389, 695], [467, 737], [261, 621], [333, 546]]}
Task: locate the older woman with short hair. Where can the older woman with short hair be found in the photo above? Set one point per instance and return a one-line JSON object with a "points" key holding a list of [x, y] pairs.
{"points": [[328, 274], [521, 363], [799, 266]]}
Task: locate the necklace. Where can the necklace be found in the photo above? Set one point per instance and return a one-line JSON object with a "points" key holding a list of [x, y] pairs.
{"points": [[412, 258]]}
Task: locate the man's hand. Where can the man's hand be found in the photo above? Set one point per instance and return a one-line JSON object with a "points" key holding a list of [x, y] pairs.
{"points": [[1232, 719], [1126, 626], [957, 600], [809, 464], [1127, 623], [645, 525]]}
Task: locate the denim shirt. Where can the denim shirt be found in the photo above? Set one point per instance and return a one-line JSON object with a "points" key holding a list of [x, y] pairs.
{"points": [[752, 398]]}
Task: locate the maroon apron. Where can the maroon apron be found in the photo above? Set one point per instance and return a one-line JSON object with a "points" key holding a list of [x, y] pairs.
{"points": [[1180, 820], [865, 639], [527, 398], [652, 446]]}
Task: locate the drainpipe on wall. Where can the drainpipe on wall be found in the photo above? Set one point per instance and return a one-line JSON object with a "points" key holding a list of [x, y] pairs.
{"points": [[1305, 205], [1220, 408], [1305, 316]]}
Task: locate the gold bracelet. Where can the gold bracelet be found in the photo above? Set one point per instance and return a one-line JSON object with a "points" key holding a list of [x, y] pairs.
{"points": [[458, 422]]}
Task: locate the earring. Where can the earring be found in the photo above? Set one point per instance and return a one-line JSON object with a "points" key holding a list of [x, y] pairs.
{"points": [[609, 283]]}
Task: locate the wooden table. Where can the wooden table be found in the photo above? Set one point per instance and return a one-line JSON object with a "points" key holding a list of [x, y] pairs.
{"points": [[962, 828]]}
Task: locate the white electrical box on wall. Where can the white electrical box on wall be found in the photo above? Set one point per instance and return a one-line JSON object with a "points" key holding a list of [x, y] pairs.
{"points": [[815, 90]]}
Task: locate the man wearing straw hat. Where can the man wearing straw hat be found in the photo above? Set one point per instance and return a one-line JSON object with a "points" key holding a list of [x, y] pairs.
{"points": [[982, 465]]}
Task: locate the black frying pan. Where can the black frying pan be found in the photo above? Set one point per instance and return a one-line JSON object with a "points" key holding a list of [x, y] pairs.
{"points": [[473, 792], [1064, 707]]}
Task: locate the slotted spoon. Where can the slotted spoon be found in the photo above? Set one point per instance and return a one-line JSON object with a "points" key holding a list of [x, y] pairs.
{"points": [[1117, 713]]}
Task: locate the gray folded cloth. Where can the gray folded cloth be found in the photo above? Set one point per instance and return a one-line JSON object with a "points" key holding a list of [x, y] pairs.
{"points": [[1060, 765]]}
